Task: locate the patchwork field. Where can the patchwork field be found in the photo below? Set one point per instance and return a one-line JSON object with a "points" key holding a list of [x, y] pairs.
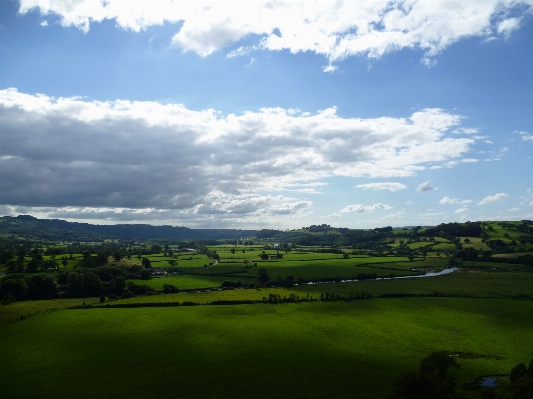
{"points": [[318, 337]]}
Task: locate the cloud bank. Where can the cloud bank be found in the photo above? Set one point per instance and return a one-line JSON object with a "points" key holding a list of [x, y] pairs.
{"points": [[67, 152], [336, 30]]}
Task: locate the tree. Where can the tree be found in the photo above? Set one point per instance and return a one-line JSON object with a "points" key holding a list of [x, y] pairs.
{"points": [[146, 263], [517, 372], [117, 256], [42, 287], [433, 380], [21, 255], [262, 275], [145, 274], [438, 365], [35, 263], [16, 285], [233, 250], [169, 288], [172, 263], [521, 379]]}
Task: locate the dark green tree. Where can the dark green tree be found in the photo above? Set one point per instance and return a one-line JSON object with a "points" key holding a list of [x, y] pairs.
{"points": [[435, 379], [262, 275], [521, 379]]}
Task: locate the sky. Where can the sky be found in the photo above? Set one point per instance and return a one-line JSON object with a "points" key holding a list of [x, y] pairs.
{"points": [[267, 114]]}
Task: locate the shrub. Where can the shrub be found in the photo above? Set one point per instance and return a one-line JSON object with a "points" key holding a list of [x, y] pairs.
{"points": [[8, 299], [127, 294], [169, 288]]}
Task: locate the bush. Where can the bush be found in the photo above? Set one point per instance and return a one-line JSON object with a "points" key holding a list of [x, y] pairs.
{"points": [[169, 288], [102, 299], [113, 297], [145, 275], [127, 294], [8, 299]]}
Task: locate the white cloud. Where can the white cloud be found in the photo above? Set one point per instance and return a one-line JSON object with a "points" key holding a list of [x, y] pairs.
{"points": [[382, 186], [491, 199], [333, 215], [469, 160], [525, 135], [461, 210], [447, 200], [243, 50], [426, 186], [334, 29], [507, 26], [309, 188], [514, 209], [146, 155], [463, 130], [361, 208], [330, 68], [431, 214], [44, 23], [252, 60]]}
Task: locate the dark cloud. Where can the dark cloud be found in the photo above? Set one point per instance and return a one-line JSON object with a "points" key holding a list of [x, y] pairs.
{"points": [[143, 155]]}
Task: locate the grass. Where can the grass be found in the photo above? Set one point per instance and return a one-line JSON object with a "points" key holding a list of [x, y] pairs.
{"points": [[315, 269], [315, 350], [12, 313], [186, 281], [475, 242], [312, 350], [226, 267], [443, 246], [473, 284]]}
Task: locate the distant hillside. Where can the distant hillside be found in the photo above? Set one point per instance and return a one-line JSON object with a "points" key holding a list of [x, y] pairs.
{"points": [[61, 230]]}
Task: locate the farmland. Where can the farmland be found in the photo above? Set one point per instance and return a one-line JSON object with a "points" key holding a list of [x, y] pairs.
{"points": [[267, 320]]}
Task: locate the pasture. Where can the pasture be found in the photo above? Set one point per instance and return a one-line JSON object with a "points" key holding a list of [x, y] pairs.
{"points": [[312, 350], [458, 284]]}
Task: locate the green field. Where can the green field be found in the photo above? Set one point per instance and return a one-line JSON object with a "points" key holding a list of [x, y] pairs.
{"points": [[186, 281], [316, 340], [462, 284], [316, 269], [313, 350]]}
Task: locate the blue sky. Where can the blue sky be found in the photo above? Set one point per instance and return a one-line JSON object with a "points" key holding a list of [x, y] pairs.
{"points": [[264, 114]]}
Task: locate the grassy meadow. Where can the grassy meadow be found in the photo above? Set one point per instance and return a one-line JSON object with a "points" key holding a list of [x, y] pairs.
{"points": [[311, 350]]}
